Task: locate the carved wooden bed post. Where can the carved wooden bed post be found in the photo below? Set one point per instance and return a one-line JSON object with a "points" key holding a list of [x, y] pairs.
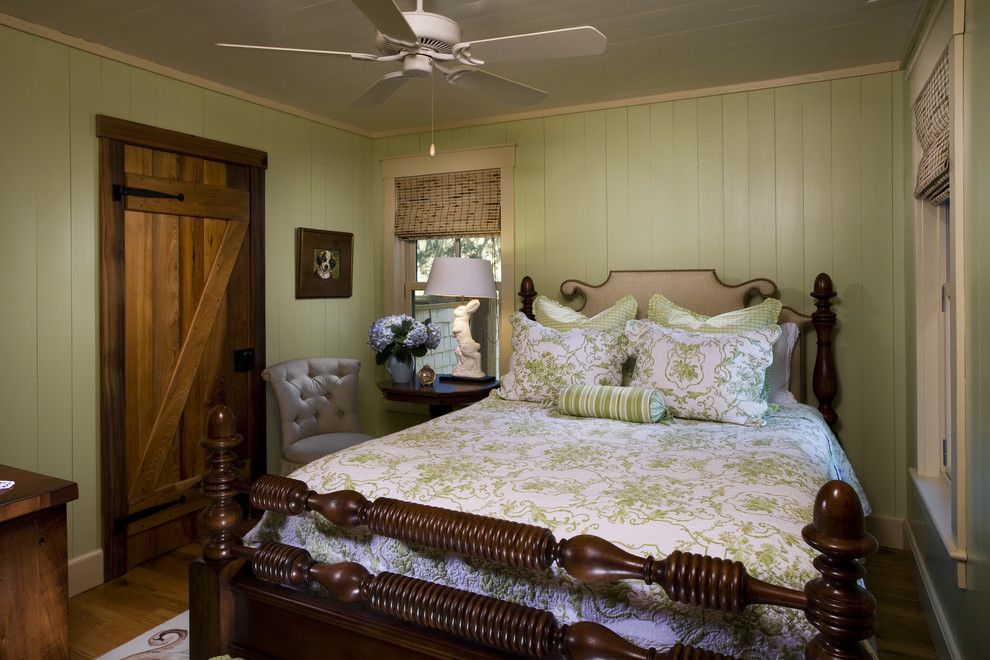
{"points": [[825, 379], [212, 616], [527, 291], [843, 612]]}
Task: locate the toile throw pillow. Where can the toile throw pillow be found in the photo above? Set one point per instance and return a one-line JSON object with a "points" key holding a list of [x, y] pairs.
{"points": [[707, 376], [544, 361]]}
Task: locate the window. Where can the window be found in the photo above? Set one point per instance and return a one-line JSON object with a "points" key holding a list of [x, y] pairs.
{"points": [[946, 439], [484, 322], [476, 220]]}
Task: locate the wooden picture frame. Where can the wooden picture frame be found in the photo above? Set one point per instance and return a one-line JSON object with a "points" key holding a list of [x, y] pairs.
{"points": [[324, 263]]}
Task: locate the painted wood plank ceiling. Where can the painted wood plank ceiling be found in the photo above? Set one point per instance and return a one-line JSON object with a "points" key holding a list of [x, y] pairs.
{"points": [[654, 46]]}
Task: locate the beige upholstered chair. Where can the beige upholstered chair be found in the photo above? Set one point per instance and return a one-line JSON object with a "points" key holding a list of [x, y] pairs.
{"points": [[317, 405]]}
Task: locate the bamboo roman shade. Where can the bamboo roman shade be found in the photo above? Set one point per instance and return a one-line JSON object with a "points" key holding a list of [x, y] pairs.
{"points": [[448, 204], [931, 118]]}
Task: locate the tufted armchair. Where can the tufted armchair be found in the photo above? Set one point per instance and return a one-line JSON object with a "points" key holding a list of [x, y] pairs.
{"points": [[317, 407]]}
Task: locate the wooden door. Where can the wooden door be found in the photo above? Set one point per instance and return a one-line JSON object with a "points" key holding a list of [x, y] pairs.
{"points": [[182, 328]]}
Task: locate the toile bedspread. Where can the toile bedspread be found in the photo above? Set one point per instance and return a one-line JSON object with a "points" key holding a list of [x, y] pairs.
{"points": [[719, 489]]}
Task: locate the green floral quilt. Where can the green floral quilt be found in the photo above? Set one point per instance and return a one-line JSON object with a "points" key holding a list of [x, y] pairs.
{"points": [[721, 489]]}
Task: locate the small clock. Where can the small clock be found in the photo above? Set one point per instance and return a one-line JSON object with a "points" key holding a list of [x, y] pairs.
{"points": [[427, 375]]}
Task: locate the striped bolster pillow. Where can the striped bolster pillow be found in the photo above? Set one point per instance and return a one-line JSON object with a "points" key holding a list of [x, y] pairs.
{"points": [[630, 404]]}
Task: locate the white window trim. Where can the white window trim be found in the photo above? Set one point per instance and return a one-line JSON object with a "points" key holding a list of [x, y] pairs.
{"points": [[945, 502], [456, 160]]}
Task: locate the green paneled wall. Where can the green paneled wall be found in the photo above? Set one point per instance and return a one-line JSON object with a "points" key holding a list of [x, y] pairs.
{"points": [[783, 182], [317, 177]]}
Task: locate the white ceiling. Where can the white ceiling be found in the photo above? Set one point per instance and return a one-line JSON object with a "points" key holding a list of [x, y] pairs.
{"points": [[654, 46]]}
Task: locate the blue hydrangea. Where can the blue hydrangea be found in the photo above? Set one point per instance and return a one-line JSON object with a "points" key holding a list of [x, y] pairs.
{"points": [[417, 336], [400, 331]]}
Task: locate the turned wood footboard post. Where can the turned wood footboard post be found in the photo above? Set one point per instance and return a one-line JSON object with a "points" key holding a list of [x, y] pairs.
{"points": [[527, 291], [210, 602], [825, 379], [843, 612]]}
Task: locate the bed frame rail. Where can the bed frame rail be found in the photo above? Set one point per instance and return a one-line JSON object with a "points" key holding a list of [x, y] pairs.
{"points": [[841, 610]]}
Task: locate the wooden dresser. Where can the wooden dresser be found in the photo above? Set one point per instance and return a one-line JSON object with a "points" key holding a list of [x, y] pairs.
{"points": [[34, 592]]}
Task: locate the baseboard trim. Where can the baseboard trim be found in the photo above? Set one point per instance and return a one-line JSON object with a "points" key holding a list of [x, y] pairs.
{"points": [[85, 572], [942, 637], [888, 530]]}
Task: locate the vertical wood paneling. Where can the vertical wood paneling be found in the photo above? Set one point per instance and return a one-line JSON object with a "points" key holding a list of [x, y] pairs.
{"points": [[816, 108], [180, 106], [144, 97], [762, 198], [684, 192], [530, 203], [789, 196], [559, 259], [115, 89], [84, 86], [54, 245], [18, 255], [231, 120], [616, 185], [847, 246], [901, 290], [572, 213], [735, 183], [711, 203], [877, 286], [595, 204], [487, 135], [640, 228], [662, 219]]}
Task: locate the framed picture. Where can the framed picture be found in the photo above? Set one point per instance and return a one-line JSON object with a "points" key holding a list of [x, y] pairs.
{"points": [[324, 263]]}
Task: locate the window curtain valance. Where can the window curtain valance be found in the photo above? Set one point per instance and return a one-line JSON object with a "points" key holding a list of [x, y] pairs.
{"points": [[931, 118], [448, 204]]}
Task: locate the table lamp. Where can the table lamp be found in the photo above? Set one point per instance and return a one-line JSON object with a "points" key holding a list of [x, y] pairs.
{"points": [[467, 278]]}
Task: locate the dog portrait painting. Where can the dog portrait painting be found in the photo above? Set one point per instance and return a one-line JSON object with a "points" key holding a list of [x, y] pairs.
{"points": [[324, 263]]}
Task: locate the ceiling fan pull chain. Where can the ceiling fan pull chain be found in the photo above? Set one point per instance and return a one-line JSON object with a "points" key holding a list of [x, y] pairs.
{"points": [[433, 110]]}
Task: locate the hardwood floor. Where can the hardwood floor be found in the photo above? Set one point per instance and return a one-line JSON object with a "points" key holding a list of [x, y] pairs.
{"points": [[109, 615]]}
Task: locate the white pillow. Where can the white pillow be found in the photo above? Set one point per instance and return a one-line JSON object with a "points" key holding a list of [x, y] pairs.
{"points": [[545, 361], [715, 377], [779, 373]]}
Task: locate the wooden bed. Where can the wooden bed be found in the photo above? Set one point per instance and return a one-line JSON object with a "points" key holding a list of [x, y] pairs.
{"points": [[251, 602]]}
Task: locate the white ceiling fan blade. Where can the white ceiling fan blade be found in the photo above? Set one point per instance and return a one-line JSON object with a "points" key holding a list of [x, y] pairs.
{"points": [[567, 42], [388, 19], [494, 86], [360, 56], [381, 90]]}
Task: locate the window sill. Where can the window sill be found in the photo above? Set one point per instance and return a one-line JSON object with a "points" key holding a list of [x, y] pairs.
{"points": [[939, 507]]}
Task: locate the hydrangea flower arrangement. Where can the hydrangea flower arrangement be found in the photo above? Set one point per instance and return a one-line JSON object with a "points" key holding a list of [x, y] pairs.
{"points": [[402, 336]]}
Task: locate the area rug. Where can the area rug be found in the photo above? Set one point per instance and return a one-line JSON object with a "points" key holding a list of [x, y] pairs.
{"points": [[169, 640]]}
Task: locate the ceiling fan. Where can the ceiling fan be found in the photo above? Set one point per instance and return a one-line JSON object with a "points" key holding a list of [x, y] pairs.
{"points": [[423, 41]]}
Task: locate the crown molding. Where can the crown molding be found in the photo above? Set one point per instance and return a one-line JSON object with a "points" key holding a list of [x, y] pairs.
{"points": [[834, 74]]}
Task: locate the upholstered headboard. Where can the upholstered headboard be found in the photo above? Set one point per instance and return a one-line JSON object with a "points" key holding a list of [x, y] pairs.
{"points": [[702, 291]]}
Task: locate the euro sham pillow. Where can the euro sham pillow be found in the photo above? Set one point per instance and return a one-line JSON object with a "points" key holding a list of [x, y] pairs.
{"points": [[703, 375], [629, 404], [666, 313], [545, 361], [552, 314]]}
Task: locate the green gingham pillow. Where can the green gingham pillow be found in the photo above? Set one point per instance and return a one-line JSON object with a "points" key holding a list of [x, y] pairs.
{"points": [[552, 314], [705, 375], [663, 311], [629, 404]]}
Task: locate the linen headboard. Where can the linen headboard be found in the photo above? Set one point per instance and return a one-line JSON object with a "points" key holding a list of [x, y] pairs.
{"points": [[702, 291]]}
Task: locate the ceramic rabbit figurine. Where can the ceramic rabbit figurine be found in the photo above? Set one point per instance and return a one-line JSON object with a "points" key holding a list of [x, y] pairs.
{"points": [[468, 351]]}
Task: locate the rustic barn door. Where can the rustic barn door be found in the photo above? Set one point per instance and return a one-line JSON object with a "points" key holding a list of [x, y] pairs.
{"points": [[182, 326]]}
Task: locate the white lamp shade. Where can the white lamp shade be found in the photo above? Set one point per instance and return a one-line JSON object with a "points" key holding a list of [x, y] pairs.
{"points": [[460, 276]]}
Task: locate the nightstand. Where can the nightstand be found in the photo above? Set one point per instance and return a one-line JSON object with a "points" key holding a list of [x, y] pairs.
{"points": [[441, 396], [34, 600]]}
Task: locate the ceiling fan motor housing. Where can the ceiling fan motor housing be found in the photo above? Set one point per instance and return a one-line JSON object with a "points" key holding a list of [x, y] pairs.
{"points": [[434, 31]]}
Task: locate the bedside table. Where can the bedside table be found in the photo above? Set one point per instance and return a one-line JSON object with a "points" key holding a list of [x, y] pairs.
{"points": [[441, 396], [34, 600]]}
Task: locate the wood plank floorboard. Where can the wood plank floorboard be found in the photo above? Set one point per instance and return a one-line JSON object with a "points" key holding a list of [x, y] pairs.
{"points": [[107, 616]]}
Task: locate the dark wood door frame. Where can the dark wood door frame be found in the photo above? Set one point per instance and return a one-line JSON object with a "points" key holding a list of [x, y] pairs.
{"points": [[113, 135]]}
